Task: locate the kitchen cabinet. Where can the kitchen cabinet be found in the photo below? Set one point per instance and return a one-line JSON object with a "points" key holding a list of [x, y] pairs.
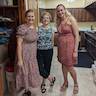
{"points": [[81, 14], [10, 17], [91, 44], [13, 13]]}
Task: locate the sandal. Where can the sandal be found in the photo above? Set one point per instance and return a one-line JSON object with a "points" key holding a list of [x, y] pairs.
{"points": [[53, 81], [75, 89], [27, 93], [63, 87], [43, 89]]}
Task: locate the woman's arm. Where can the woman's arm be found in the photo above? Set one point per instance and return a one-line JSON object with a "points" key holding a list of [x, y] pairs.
{"points": [[53, 39], [19, 51], [76, 33]]}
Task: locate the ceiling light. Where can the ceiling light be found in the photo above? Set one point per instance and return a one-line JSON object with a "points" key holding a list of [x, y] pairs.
{"points": [[70, 0]]}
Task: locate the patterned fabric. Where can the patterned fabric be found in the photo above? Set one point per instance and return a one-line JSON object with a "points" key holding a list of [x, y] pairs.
{"points": [[66, 45], [30, 72], [44, 38]]}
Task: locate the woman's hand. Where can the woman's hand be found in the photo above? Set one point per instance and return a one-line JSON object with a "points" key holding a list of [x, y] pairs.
{"points": [[75, 55], [20, 63]]}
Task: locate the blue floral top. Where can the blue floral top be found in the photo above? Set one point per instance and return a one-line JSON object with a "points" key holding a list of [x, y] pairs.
{"points": [[45, 38]]}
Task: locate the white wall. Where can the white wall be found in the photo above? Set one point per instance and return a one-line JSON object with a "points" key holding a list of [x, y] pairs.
{"points": [[42, 4], [53, 3]]}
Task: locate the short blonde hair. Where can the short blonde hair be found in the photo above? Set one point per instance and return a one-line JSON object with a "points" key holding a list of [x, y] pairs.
{"points": [[46, 13]]}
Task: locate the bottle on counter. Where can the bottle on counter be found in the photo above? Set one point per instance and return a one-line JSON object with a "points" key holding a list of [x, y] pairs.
{"points": [[92, 27]]}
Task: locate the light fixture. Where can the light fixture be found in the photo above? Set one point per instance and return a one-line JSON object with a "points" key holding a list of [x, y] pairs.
{"points": [[70, 0]]}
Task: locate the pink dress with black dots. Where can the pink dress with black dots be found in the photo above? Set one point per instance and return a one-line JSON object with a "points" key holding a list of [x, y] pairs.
{"points": [[29, 51]]}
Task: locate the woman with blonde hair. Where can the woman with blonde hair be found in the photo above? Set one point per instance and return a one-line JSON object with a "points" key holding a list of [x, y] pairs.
{"points": [[68, 40], [45, 50]]}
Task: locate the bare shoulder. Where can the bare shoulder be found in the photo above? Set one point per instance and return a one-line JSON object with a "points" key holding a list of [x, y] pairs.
{"points": [[73, 21]]}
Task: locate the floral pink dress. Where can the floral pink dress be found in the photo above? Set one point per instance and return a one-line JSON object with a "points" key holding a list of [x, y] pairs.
{"points": [[30, 74], [66, 44]]}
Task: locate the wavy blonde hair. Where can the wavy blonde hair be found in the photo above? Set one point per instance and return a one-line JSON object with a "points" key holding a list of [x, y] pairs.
{"points": [[67, 14]]}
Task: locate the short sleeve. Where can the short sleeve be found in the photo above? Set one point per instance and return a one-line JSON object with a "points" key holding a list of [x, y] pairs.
{"points": [[36, 29], [20, 31], [54, 29]]}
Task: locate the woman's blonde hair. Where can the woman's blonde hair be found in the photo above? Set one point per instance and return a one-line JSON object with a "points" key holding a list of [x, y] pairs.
{"points": [[67, 14], [46, 13]]}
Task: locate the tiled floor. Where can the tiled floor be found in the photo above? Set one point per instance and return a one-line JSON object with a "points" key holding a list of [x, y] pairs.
{"points": [[86, 85]]}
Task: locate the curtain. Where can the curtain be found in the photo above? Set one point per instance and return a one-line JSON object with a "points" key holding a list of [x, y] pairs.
{"points": [[33, 4]]}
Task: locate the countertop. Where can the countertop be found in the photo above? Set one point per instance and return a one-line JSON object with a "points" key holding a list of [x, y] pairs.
{"points": [[91, 34]]}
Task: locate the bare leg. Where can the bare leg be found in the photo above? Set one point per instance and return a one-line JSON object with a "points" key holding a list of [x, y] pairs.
{"points": [[52, 80], [44, 80], [43, 86], [74, 76], [65, 74]]}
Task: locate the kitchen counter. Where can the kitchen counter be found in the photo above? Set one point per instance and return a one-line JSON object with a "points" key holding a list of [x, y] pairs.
{"points": [[91, 34], [90, 38]]}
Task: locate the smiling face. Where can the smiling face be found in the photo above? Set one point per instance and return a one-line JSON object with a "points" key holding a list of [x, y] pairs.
{"points": [[30, 17], [60, 10], [46, 19]]}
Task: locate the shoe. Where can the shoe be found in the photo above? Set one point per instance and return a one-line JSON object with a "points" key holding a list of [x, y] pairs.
{"points": [[75, 89], [43, 89], [63, 87], [27, 93], [52, 82]]}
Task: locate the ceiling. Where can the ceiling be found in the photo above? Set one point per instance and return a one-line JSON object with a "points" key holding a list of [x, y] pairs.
{"points": [[67, 3]]}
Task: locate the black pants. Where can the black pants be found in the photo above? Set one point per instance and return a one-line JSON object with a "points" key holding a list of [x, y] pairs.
{"points": [[44, 58]]}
